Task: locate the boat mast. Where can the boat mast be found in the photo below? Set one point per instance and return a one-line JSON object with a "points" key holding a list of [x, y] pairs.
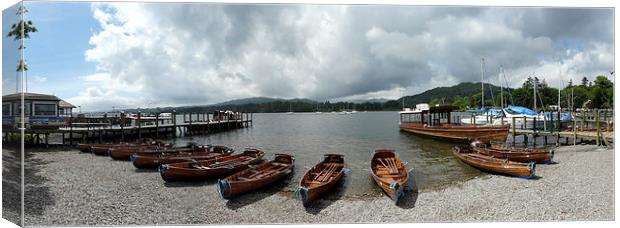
{"points": [[501, 88], [559, 95], [482, 81], [536, 110]]}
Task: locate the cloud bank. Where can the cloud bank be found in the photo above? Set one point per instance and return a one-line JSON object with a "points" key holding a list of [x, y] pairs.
{"points": [[158, 54]]}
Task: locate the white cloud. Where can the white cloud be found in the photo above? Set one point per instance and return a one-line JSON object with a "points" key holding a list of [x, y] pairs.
{"points": [[175, 54]]}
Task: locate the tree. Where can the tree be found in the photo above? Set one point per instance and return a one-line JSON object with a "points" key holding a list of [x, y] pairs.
{"points": [[584, 81], [19, 31], [602, 93]]}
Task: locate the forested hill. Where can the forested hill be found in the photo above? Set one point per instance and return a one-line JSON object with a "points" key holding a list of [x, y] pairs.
{"points": [[468, 91], [465, 89]]}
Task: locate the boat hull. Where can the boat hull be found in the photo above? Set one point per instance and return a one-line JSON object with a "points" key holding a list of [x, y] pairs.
{"points": [[517, 154], [496, 165], [208, 169], [309, 190], [392, 184], [266, 174], [151, 160], [459, 134]]}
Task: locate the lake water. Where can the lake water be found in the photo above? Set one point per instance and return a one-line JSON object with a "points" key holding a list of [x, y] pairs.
{"points": [[308, 136]]}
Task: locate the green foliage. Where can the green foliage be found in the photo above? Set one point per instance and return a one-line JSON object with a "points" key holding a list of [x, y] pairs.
{"points": [[601, 92]]}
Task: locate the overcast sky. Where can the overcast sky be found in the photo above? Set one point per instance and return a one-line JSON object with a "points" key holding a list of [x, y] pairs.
{"points": [[153, 54]]}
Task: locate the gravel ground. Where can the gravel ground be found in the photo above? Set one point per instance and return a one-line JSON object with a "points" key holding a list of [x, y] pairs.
{"points": [[70, 188], [11, 181]]}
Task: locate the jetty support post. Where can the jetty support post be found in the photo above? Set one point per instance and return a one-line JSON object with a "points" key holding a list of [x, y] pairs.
{"points": [[598, 127], [157, 125], [139, 125], [190, 124], [559, 125], [122, 127], [514, 131], [524, 125], [174, 123], [71, 130], [574, 130]]}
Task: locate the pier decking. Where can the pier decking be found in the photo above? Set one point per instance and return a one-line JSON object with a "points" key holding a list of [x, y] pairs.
{"points": [[115, 127]]}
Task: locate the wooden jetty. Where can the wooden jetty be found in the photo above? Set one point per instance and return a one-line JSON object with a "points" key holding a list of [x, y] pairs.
{"points": [[114, 127]]}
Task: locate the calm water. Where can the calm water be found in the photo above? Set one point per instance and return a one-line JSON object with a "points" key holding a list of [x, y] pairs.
{"points": [[308, 136]]}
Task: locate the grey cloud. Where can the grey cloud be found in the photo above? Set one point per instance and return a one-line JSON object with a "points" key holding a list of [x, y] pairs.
{"points": [[206, 53]]}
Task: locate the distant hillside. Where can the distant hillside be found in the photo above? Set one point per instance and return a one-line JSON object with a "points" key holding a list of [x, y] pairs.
{"points": [[252, 100], [267, 104], [463, 89]]}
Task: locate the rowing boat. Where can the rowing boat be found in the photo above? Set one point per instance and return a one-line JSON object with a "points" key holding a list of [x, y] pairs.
{"points": [[257, 176], [389, 173], [513, 154], [147, 160], [212, 168], [320, 178], [124, 153], [495, 165]]}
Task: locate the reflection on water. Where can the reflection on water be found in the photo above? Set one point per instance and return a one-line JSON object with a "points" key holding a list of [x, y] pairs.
{"points": [[308, 136]]}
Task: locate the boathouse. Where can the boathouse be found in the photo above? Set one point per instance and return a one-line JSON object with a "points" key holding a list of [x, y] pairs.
{"points": [[40, 110]]}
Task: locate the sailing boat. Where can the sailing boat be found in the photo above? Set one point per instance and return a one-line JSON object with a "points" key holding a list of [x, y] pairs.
{"points": [[483, 115], [290, 110], [317, 109]]}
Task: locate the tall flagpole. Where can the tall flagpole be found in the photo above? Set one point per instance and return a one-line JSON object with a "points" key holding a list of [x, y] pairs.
{"points": [[22, 127]]}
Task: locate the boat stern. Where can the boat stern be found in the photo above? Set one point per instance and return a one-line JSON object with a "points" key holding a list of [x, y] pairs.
{"points": [[223, 188], [301, 193], [532, 167], [398, 190]]}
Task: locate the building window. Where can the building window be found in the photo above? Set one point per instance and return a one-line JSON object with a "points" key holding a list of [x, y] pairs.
{"points": [[45, 109], [17, 109], [6, 109]]}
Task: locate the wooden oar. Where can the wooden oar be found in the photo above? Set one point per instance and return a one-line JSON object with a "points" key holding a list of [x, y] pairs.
{"points": [[324, 172], [269, 172], [329, 174], [321, 172], [392, 162], [231, 161]]}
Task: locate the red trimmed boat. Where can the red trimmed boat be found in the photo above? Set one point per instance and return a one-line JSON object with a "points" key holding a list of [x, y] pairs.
{"points": [[320, 178], [257, 176], [495, 165], [212, 168], [389, 173], [143, 160], [513, 154]]}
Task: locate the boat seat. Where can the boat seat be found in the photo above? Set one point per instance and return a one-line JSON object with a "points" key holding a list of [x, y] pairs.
{"points": [[390, 175], [243, 179]]}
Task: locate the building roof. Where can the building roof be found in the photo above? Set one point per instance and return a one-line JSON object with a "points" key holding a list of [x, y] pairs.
{"points": [[64, 104], [30, 96]]}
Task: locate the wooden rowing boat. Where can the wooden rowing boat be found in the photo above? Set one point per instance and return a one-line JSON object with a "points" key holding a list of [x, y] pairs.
{"points": [[320, 178], [389, 173], [257, 176], [495, 165], [145, 160], [212, 168], [87, 148], [513, 154], [124, 153], [102, 147], [105, 150]]}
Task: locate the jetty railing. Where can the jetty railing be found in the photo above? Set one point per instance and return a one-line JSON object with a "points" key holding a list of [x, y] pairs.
{"points": [[118, 126], [584, 124]]}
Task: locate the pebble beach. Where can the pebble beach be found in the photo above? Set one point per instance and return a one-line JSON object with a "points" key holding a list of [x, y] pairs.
{"points": [[67, 188]]}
